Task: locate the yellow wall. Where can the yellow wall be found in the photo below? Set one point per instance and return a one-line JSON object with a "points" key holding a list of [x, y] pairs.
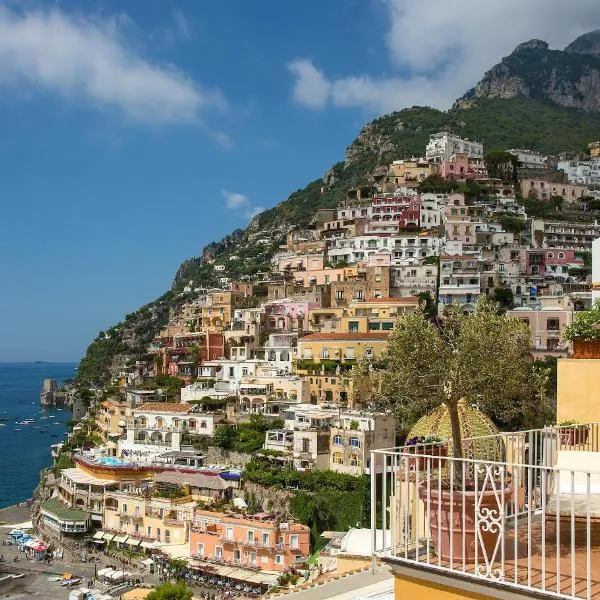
{"points": [[407, 587], [578, 390], [346, 564]]}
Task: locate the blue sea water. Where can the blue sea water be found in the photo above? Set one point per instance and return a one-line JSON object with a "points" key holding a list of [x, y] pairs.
{"points": [[24, 453]]}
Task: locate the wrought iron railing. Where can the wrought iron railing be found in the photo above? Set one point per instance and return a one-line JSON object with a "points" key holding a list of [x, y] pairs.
{"points": [[522, 510]]}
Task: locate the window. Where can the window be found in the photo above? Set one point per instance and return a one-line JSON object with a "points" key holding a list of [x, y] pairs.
{"points": [[219, 551], [167, 536], [358, 294], [355, 461], [561, 255], [124, 508], [387, 326], [294, 542], [279, 559], [339, 294], [229, 533], [553, 325], [550, 255], [231, 371], [253, 558], [354, 442], [236, 554], [202, 424], [350, 353], [265, 539], [149, 531], [305, 445], [200, 550], [338, 440], [353, 326], [250, 535], [325, 353], [337, 458]]}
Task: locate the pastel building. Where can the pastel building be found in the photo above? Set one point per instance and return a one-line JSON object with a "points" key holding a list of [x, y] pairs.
{"points": [[257, 541]]}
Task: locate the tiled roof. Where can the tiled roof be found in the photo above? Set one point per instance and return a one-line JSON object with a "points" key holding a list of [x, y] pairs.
{"points": [[371, 335], [174, 407]]}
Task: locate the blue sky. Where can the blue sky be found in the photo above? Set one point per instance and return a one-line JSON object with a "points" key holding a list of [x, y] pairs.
{"points": [[132, 134]]}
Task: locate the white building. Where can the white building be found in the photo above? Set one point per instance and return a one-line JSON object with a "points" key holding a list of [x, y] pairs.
{"points": [[432, 209], [581, 171], [442, 146], [528, 159]]}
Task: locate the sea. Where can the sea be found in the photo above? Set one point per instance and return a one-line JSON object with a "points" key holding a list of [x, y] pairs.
{"points": [[25, 449]]}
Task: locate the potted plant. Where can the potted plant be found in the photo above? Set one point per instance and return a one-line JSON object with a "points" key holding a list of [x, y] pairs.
{"points": [[454, 361], [584, 333], [426, 447], [573, 434]]}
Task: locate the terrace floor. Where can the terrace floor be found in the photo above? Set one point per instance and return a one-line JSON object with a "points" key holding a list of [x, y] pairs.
{"points": [[566, 576]]}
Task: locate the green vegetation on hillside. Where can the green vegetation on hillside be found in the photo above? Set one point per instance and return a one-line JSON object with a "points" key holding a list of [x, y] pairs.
{"points": [[500, 124]]}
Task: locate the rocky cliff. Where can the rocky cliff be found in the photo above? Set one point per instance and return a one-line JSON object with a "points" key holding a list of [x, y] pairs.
{"points": [[569, 78]]}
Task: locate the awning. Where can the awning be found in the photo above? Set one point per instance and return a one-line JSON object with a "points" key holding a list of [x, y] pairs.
{"points": [[239, 573], [147, 562], [119, 539], [147, 545], [102, 572], [98, 535], [108, 537], [133, 542]]}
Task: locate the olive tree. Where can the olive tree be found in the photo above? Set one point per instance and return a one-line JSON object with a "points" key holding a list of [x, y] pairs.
{"points": [[483, 357]]}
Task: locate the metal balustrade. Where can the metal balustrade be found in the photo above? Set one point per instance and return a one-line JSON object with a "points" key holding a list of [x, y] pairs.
{"points": [[521, 510]]}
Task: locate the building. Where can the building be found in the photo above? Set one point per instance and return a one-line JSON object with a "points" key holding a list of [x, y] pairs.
{"points": [[553, 264], [547, 326], [563, 235], [594, 148], [460, 281], [407, 173], [341, 347], [62, 520], [584, 172], [543, 190], [528, 159], [249, 540], [461, 167], [442, 146], [146, 514], [159, 426]]}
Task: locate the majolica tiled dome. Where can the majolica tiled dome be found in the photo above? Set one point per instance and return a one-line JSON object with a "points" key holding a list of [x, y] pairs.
{"points": [[473, 424]]}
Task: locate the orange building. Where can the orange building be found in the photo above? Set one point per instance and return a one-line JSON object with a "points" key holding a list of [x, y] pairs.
{"points": [[248, 541]]}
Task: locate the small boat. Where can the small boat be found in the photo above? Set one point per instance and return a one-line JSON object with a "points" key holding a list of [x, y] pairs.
{"points": [[18, 429]]}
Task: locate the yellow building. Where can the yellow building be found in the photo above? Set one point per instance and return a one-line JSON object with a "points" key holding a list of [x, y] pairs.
{"points": [[408, 172], [143, 516], [578, 382], [326, 359], [594, 148]]}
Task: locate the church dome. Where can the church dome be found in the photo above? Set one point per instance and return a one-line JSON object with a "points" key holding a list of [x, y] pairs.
{"points": [[473, 424]]}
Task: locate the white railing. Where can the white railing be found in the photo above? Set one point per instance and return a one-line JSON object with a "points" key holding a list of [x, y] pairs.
{"points": [[523, 511]]}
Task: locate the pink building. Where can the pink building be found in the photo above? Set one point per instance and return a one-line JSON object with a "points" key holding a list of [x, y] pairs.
{"points": [[461, 166], [403, 211], [552, 262], [288, 315], [255, 541]]}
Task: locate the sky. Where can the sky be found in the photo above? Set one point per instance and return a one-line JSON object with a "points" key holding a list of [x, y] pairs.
{"points": [[134, 133]]}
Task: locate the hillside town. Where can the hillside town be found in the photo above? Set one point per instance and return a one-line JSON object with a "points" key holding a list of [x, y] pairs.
{"points": [[198, 454]]}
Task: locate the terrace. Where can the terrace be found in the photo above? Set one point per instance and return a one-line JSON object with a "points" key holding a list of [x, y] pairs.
{"points": [[519, 517]]}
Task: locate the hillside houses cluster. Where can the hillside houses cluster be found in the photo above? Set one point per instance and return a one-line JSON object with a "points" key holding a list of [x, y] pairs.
{"points": [[282, 345]]}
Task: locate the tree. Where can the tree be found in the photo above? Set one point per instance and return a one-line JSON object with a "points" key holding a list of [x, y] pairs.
{"points": [[512, 223], [556, 202], [225, 437], [504, 297], [483, 357], [170, 591], [586, 325]]}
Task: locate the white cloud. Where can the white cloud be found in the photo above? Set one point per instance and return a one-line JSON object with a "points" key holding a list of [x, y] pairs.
{"points": [[311, 88], [234, 200], [86, 60], [240, 204], [441, 50]]}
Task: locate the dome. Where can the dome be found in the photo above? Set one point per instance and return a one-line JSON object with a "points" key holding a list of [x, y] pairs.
{"points": [[473, 424]]}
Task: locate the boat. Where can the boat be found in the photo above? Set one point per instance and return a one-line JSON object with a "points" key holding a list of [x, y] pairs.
{"points": [[18, 429]]}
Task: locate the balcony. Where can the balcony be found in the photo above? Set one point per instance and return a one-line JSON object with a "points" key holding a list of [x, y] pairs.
{"points": [[522, 515]]}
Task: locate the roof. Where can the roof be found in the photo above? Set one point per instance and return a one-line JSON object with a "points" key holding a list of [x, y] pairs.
{"points": [[358, 541], [173, 407], [55, 507], [78, 476], [371, 335], [197, 480]]}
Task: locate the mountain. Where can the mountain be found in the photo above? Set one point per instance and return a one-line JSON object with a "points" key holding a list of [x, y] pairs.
{"points": [[509, 121], [588, 43], [569, 78]]}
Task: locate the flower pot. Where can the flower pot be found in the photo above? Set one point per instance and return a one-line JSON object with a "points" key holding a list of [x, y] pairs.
{"points": [[456, 539], [586, 348], [425, 460], [573, 435]]}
